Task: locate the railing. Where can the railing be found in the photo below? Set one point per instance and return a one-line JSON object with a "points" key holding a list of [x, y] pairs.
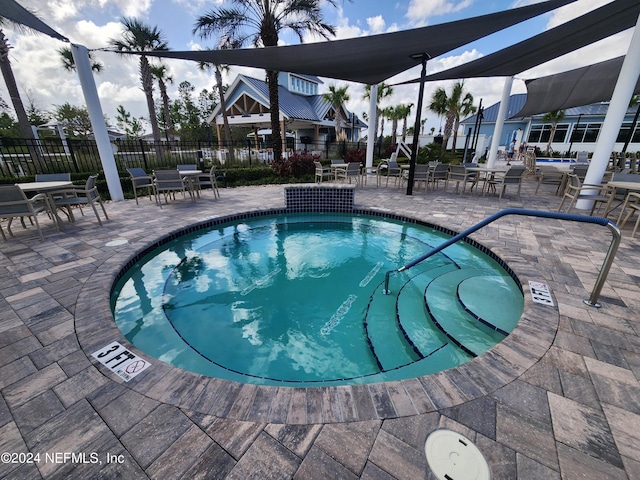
{"points": [[592, 301]]}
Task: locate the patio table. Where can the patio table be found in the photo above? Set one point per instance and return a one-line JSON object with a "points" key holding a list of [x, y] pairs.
{"points": [[47, 188], [622, 185], [489, 173], [189, 175]]}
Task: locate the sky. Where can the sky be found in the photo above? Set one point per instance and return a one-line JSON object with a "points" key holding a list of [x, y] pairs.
{"points": [[93, 23]]}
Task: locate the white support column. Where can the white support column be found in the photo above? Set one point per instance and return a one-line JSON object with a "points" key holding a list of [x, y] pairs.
{"points": [[373, 103], [616, 112], [83, 67], [497, 131]]}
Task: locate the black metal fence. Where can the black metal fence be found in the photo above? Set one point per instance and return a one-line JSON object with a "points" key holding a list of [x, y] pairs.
{"points": [[20, 157]]}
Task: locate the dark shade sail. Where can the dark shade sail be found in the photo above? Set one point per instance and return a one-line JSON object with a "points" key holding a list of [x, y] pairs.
{"points": [[584, 30], [369, 60], [12, 10], [575, 88]]}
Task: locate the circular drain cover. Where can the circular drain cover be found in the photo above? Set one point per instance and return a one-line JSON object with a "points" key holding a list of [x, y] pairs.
{"points": [[115, 243], [451, 456]]}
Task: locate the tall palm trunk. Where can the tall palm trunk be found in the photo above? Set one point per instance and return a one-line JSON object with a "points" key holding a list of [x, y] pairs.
{"points": [[225, 119], [14, 94], [147, 86], [165, 109], [274, 103], [269, 37], [448, 129]]}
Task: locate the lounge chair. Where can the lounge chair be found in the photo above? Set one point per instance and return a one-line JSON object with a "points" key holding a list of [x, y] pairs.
{"points": [[15, 204], [76, 196], [140, 179]]}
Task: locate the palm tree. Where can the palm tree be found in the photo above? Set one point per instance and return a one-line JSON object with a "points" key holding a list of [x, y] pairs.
{"points": [[69, 63], [384, 91], [139, 37], [438, 105], [393, 114], [259, 23], [385, 113], [161, 73], [554, 116], [223, 106], [12, 89], [452, 107], [403, 112], [336, 97]]}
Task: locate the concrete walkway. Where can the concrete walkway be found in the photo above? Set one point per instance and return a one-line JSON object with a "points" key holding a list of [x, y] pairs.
{"points": [[559, 398]]}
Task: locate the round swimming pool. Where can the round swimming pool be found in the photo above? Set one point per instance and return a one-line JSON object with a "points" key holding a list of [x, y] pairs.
{"points": [[296, 299]]}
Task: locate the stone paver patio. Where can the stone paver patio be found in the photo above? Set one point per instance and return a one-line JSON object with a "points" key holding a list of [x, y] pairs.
{"points": [[559, 398]]}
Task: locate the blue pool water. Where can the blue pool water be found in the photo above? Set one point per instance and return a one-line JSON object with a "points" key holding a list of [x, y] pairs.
{"points": [[296, 300]]}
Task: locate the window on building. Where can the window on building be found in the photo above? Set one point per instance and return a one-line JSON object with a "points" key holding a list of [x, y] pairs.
{"points": [[586, 133], [541, 133], [625, 129]]}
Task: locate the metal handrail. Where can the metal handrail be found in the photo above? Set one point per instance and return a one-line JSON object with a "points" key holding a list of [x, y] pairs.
{"points": [[592, 301]]}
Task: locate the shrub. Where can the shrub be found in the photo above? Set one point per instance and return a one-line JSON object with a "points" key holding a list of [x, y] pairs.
{"points": [[430, 153], [354, 155], [297, 165]]}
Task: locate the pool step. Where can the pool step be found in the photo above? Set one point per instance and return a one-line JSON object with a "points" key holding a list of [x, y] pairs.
{"points": [[505, 308], [450, 316], [419, 329], [388, 341]]}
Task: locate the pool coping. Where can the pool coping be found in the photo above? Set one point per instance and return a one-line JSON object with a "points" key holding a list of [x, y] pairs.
{"points": [[502, 364]]}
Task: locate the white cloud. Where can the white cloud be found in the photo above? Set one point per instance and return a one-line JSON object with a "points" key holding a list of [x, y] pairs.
{"points": [[419, 11], [376, 24]]}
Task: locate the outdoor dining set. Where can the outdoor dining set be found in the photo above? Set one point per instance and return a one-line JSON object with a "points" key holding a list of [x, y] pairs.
{"points": [[429, 175], [185, 179], [55, 192]]}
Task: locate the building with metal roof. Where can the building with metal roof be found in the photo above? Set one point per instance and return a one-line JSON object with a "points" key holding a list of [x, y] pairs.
{"points": [[303, 111], [577, 132]]}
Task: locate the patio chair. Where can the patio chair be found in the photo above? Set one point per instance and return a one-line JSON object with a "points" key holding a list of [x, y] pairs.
{"points": [[187, 167], [437, 173], [140, 179], [513, 176], [208, 179], [322, 172], [393, 170], [581, 171], [632, 201], [576, 190], [169, 182], [420, 174], [550, 175], [351, 171], [53, 177], [15, 204], [77, 196], [458, 174]]}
